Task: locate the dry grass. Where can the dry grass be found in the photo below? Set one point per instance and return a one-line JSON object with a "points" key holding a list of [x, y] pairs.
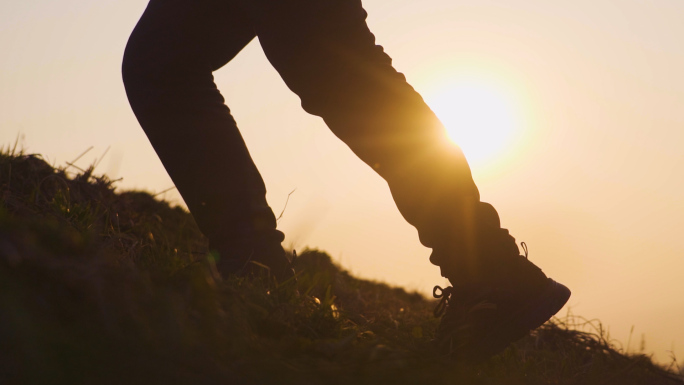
{"points": [[104, 287]]}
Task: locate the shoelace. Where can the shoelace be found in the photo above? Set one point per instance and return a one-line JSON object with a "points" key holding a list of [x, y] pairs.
{"points": [[445, 295]]}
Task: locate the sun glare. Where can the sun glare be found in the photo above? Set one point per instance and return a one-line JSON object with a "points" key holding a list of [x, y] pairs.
{"points": [[479, 118]]}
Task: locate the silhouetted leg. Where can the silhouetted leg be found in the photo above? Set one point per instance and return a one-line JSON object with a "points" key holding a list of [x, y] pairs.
{"points": [[167, 72], [326, 54]]}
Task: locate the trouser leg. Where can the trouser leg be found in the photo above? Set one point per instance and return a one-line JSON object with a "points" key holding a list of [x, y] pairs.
{"points": [[167, 72], [326, 54]]}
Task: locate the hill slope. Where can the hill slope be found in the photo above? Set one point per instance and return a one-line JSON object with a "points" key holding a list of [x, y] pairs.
{"points": [[105, 287]]}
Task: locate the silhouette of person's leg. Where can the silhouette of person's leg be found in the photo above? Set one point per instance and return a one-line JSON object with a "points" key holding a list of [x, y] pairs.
{"points": [[326, 54], [167, 71]]}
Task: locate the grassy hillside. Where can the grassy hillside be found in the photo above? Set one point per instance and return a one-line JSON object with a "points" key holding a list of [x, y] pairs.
{"points": [[104, 287]]}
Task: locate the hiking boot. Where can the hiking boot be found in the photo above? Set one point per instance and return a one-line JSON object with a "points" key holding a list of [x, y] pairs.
{"points": [[477, 325], [258, 257], [496, 299]]}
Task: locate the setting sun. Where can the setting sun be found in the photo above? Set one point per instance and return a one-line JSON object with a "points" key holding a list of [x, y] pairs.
{"points": [[479, 118]]}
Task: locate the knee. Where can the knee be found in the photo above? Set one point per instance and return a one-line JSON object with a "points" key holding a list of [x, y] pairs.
{"points": [[144, 59], [147, 72], [169, 66], [134, 70], [149, 58], [142, 72]]}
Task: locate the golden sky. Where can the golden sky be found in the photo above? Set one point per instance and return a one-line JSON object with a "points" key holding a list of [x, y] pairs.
{"points": [[578, 144]]}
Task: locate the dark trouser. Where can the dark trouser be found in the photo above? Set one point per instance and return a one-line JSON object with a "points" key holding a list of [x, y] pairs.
{"points": [[326, 54]]}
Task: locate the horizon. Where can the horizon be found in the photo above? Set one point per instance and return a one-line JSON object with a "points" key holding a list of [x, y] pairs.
{"points": [[588, 173]]}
